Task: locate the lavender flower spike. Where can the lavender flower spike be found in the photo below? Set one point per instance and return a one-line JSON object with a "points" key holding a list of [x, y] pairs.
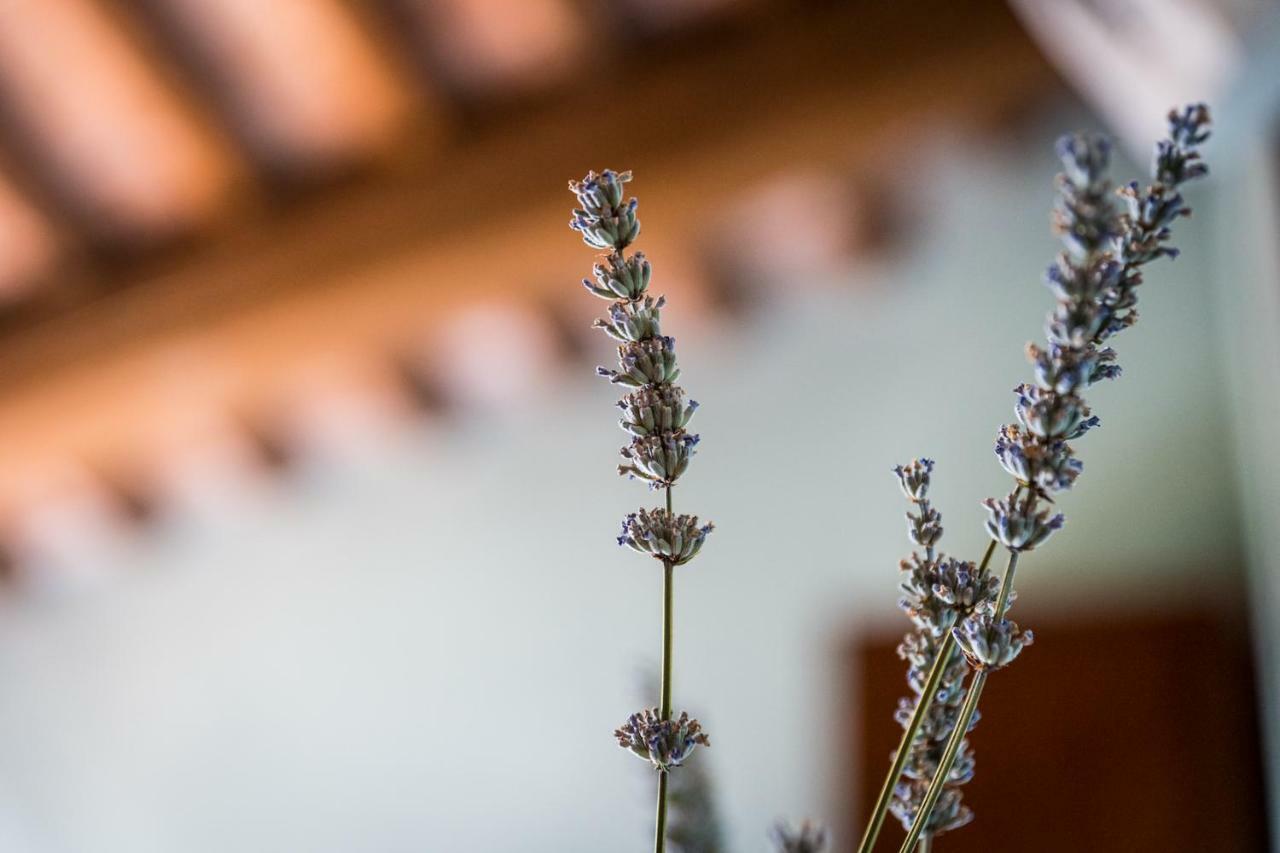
{"points": [[1094, 282], [938, 593], [655, 414]]}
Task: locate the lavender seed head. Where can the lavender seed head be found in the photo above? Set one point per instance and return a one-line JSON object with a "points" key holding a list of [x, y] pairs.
{"points": [[603, 219], [924, 527], [620, 278], [938, 593], [634, 321], [663, 743], [948, 813], [1017, 525], [645, 363], [659, 459], [1048, 415], [1047, 466], [914, 478], [676, 539], [651, 411], [989, 644]]}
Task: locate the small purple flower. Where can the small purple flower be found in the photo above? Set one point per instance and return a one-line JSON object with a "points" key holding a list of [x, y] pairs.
{"points": [[659, 459], [990, 644], [1015, 523], [652, 411], [1048, 415], [676, 539], [663, 743], [604, 221], [914, 478], [1048, 466]]}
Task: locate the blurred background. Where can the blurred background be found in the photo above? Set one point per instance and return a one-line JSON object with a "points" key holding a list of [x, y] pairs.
{"points": [[306, 487]]}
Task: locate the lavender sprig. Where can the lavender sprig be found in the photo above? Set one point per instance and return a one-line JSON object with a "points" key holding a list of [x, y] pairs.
{"points": [[939, 592], [1094, 281], [655, 414]]}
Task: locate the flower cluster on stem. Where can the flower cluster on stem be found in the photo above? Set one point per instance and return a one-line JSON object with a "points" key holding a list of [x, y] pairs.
{"points": [[1094, 281], [938, 592], [655, 415]]}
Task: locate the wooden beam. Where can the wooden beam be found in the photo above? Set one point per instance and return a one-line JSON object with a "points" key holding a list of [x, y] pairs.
{"points": [[372, 269]]}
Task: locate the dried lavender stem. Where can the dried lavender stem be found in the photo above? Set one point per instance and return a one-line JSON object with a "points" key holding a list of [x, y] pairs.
{"points": [[940, 664], [1006, 586], [664, 711], [934, 682], [948, 761], [660, 828], [655, 414], [926, 844], [962, 722]]}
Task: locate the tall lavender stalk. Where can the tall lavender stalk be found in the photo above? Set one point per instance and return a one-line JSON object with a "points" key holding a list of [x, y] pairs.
{"points": [[1094, 281], [655, 413]]}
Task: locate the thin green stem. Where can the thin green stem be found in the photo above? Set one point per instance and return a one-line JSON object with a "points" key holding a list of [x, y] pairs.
{"points": [[938, 783], [668, 578], [926, 843], [986, 558], [948, 760], [1006, 586], [664, 710], [931, 685], [660, 829]]}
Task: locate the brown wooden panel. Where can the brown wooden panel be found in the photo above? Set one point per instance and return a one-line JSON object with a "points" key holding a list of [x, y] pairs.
{"points": [[1132, 732], [484, 48], [303, 82], [108, 135]]}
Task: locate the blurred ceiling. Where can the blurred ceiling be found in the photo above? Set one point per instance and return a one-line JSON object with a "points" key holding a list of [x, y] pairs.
{"points": [[211, 213]]}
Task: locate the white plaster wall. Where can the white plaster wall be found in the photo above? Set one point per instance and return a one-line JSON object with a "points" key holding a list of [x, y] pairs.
{"points": [[428, 650]]}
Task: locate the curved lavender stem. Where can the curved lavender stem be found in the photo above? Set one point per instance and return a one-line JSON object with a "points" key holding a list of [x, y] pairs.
{"points": [[1095, 281]]}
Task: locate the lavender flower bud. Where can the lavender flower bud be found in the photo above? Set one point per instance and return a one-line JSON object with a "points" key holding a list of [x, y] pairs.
{"points": [[925, 529], [650, 411], [659, 459], [676, 539], [1064, 370], [988, 644], [604, 221], [914, 478], [948, 813], [1085, 159], [938, 723], [1016, 525], [1048, 415], [663, 743], [959, 585], [624, 278], [918, 649], [1174, 163], [634, 321], [644, 363], [1083, 217], [1047, 466], [806, 838], [938, 593]]}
